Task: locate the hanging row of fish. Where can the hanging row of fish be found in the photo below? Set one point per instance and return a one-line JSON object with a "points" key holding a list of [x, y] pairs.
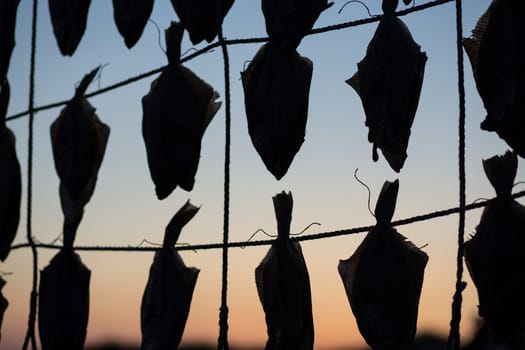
{"points": [[79, 140], [201, 18]]}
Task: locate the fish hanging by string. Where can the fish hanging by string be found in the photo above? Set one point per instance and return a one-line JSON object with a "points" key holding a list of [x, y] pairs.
{"points": [[169, 290], [494, 254], [131, 17], [10, 179], [79, 142], [383, 280], [389, 81], [3, 306], [283, 286], [63, 304], [276, 84], [69, 18], [202, 18], [496, 56], [8, 10], [288, 21], [176, 112]]}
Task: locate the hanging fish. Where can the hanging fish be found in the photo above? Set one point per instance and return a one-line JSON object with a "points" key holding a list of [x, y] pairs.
{"points": [[277, 84], [8, 10], [64, 301], [383, 280], [10, 179], [176, 112], [202, 18], [276, 88], [79, 142], [496, 55], [63, 294], [3, 305], [283, 286], [494, 255], [389, 81], [131, 17], [69, 18], [167, 297], [288, 21]]}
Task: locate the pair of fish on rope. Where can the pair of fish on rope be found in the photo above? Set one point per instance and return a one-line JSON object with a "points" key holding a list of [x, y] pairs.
{"points": [[382, 280]]}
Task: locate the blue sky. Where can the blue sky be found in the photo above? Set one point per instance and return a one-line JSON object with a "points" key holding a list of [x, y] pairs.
{"points": [[124, 209]]}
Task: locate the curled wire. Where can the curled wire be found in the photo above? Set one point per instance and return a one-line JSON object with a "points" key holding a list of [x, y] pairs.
{"points": [[145, 241], [518, 183], [275, 236], [155, 244], [359, 2], [481, 199], [367, 188], [98, 77], [158, 35]]}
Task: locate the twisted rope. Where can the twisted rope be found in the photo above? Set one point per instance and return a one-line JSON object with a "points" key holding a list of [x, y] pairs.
{"points": [[454, 340], [223, 313], [30, 335], [311, 237]]}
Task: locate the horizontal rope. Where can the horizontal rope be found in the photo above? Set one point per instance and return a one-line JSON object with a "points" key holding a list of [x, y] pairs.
{"points": [[228, 42], [310, 237]]}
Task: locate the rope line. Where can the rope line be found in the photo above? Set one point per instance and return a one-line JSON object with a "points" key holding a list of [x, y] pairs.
{"points": [[223, 313], [455, 321], [30, 334], [214, 45], [310, 237]]}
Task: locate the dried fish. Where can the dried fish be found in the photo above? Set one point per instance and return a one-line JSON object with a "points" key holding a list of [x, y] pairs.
{"points": [[8, 10], [496, 56], [383, 280], [202, 18], [69, 18], [10, 179], [79, 142], [167, 298], [176, 112], [64, 302], [276, 88], [131, 17], [283, 286], [494, 255], [277, 84], [389, 81], [288, 21]]}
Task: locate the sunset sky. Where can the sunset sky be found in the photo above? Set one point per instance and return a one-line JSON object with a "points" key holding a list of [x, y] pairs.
{"points": [[124, 210]]}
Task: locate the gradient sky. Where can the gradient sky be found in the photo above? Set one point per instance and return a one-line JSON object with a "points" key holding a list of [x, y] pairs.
{"points": [[124, 209]]}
